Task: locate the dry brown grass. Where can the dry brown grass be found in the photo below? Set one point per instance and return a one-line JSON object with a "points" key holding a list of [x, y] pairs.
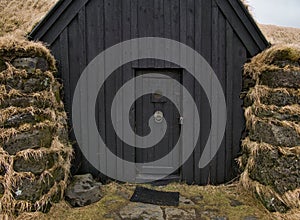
{"points": [[281, 35], [268, 60], [17, 17], [11, 48]]}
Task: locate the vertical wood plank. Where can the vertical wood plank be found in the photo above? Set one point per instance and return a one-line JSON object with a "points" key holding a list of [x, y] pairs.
{"points": [[64, 59], [81, 41], [206, 35], [175, 27], [112, 36], [56, 52], [229, 100], [167, 26], [74, 74], [240, 57], [215, 66], [134, 25], [95, 45], [188, 168], [158, 27], [127, 73], [221, 160], [198, 89], [145, 27]]}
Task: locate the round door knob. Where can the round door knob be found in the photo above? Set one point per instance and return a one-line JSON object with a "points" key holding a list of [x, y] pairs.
{"points": [[158, 117]]}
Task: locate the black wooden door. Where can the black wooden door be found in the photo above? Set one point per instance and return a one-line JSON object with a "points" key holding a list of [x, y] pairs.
{"points": [[158, 105]]}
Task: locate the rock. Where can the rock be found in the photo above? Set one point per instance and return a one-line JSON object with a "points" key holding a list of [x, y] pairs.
{"points": [[271, 202], [1, 189], [29, 140], [24, 102], [26, 117], [185, 201], [141, 211], [250, 218], [2, 170], [273, 134], [31, 190], [113, 216], [281, 172], [280, 98], [219, 218], [31, 64], [235, 203], [283, 116], [248, 82], [211, 213], [17, 120], [34, 166], [180, 214], [83, 190], [33, 84], [197, 199], [281, 79], [2, 65], [247, 101]]}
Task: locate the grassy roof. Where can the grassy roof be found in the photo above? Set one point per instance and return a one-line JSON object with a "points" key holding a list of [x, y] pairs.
{"points": [[17, 17], [281, 35]]}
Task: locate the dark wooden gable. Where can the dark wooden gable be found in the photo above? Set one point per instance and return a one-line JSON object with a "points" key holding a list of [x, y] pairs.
{"points": [[222, 31], [234, 11]]}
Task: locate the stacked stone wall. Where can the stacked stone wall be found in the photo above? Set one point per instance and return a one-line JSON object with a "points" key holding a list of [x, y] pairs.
{"points": [[271, 151], [34, 150]]}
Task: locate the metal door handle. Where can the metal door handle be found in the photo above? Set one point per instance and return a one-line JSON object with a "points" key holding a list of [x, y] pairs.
{"points": [[158, 117]]}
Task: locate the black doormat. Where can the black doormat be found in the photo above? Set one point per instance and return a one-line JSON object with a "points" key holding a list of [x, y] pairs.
{"points": [[154, 197]]}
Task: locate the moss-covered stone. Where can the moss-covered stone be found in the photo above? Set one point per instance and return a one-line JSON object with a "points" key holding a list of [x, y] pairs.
{"points": [[58, 174], [2, 170], [27, 189], [248, 82], [277, 135], [26, 101], [279, 171], [12, 49], [17, 120], [1, 189], [283, 54], [34, 139], [285, 79], [267, 113], [35, 166], [26, 117], [31, 64], [31, 85], [271, 202], [30, 190], [2, 65], [280, 98], [33, 189]]}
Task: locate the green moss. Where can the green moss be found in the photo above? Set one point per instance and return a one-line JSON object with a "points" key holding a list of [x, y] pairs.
{"points": [[212, 200], [2, 65], [287, 53]]}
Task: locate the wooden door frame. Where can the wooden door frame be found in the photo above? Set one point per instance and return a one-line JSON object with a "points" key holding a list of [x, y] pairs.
{"points": [[179, 71]]}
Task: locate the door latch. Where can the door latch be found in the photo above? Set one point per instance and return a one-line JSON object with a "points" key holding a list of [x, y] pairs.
{"points": [[158, 117], [181, 120]]}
